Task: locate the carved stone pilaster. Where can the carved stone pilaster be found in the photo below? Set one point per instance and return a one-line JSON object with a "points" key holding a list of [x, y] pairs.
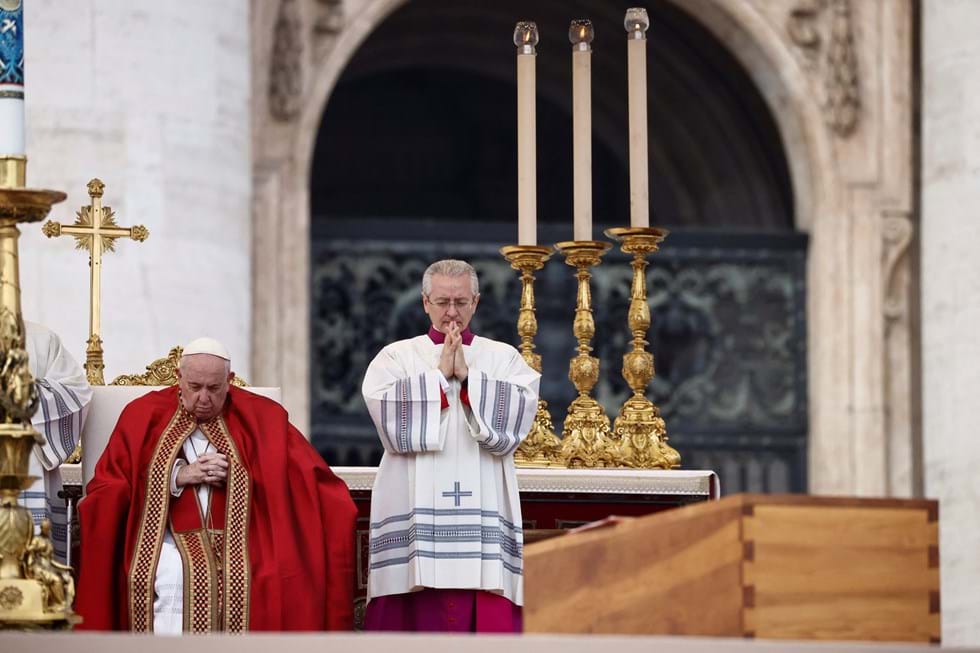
{"points": [[898, 232], [824, 34], [286, 66]]}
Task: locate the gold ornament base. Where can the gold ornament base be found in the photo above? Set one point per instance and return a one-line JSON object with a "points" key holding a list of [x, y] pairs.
{"points": [[22, 602], [541, 447], [641, 436], [586, 437]]}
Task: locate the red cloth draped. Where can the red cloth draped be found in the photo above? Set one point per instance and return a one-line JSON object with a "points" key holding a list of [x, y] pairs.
{"points": [[301, 523]]}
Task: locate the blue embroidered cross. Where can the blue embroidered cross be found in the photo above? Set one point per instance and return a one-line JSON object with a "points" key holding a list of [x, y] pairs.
{"points": [[456, 494]]}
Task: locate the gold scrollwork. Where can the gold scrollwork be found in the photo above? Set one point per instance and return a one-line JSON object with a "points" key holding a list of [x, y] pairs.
{"points": [[163, 371]]}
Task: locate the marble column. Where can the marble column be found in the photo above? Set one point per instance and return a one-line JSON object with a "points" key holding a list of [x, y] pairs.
{"points": [[951, 301]]}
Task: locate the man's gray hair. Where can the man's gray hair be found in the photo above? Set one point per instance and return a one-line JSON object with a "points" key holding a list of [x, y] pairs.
{"points": [[450, 268]]}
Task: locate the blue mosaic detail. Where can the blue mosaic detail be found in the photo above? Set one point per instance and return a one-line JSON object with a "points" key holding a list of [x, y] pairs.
{"points": [[12, 42]]}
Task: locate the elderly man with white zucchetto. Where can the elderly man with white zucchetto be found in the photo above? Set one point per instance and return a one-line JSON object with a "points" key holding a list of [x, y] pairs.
{"points": [[208, 511]]}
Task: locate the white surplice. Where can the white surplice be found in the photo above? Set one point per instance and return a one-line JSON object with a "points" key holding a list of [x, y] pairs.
{"points": [[64, 396], [445, 509]]}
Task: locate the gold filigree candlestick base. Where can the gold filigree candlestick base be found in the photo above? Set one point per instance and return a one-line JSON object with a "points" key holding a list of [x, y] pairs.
{"points": [[35, 592], [586, 436], [541, 447], [640, 432]]}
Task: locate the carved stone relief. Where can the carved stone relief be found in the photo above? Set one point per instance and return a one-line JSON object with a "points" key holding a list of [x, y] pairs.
{"points": [[286, 66], [823, 32], [330, 18], [897, 233]]}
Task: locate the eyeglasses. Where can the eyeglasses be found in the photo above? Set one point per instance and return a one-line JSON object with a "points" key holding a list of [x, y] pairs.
{"points": [[458, 304]]}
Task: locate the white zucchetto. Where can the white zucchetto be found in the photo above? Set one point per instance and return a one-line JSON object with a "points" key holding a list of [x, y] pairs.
{"points": [[206, 346]]}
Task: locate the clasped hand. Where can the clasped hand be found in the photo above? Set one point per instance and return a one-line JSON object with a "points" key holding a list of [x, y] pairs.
{"points": [[451, 361], [209, 468]]}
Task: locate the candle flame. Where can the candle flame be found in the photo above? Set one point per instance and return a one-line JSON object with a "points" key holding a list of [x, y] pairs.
{"points": [[580, 31], [525, 34]]}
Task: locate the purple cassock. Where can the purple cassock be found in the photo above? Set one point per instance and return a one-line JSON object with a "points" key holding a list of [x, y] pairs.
{"points": [[438, 610]]}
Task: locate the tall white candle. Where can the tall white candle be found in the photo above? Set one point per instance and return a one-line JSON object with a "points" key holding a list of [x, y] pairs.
{"points": [[526, 38], [637, 22], [580, 33], [12, 78]]}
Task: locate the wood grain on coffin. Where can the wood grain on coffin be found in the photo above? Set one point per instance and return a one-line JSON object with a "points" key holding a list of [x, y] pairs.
{"points": [[747, 566], [842, 571], [829, 526], [885, 618], [677, 574]]}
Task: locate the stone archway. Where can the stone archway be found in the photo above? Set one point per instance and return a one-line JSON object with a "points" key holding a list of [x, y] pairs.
{"points": [[829, 71]]}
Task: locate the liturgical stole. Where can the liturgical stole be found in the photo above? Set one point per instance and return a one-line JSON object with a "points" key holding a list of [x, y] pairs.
{"points": [[212, 540]]}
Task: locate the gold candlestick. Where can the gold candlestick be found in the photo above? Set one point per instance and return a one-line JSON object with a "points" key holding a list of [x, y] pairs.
{"points": [[585, 434], [640, 432], [35, 591], [541, 447]]}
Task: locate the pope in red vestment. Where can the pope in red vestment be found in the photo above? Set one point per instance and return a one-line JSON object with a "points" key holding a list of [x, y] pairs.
{"points": [[273, 549]]}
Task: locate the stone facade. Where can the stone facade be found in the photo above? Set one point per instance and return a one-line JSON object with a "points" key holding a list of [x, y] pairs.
{"points": [[951, 300], [152, 98]]}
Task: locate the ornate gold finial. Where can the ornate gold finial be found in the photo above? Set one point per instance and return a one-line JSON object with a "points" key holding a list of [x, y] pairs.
{"points": [[541, 447], [140, 233], [51, 229], [95, 187], [586, 437], [640, 432], [96, 231]]}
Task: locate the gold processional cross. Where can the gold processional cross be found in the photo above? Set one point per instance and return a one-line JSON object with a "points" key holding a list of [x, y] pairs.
{"points": [[95, 230]]}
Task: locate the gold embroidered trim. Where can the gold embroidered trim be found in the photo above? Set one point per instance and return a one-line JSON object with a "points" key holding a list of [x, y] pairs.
{"points": [[153, 522], [202, 596], [236, 568]]}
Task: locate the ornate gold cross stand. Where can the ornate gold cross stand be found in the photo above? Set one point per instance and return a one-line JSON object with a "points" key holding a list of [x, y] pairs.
{"points": [[35, 592], [541, 447], [95, 230], [585, 434], [640, 432]]}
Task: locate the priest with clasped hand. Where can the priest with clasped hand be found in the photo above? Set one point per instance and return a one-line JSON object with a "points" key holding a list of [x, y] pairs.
{"points": [[208, 511], [450, 408]]}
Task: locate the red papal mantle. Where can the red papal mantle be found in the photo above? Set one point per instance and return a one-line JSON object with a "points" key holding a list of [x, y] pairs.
{"points": [[557, 499]]}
